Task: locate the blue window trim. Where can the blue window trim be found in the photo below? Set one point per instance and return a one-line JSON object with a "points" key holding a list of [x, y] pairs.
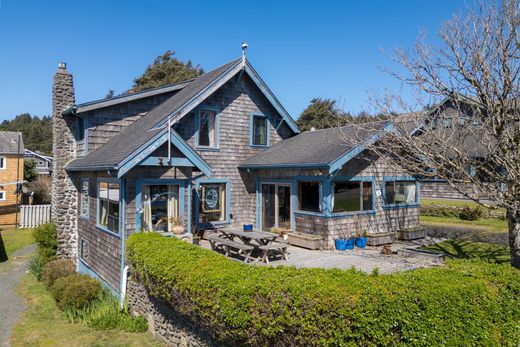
{"points": [[325, 208], [266, 118], [294, 198], [197, 127], [87, 215], [203, 180], [121, 208], [84, 268], [400, 178], [355, 179], [80, 253], [159, 181]]}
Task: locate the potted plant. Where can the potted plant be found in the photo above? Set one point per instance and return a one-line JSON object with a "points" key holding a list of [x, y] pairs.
{"points": [[176, 226], [361, 239], [344, 241], [280, 231]]}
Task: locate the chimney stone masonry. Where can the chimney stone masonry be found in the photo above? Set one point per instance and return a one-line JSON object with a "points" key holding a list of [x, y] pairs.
{"points": [[64, 193]]}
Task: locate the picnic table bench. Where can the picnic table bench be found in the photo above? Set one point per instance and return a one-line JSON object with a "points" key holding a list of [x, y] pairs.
{"points": [[226, 244], [245, 242]]}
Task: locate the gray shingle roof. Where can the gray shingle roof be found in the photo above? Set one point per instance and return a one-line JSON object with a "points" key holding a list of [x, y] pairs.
{"points": [[136, 135], [9, 142], [317, 148]]}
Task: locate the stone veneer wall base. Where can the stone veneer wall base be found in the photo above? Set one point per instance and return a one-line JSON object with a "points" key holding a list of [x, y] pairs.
{"points": [[164, 323]]}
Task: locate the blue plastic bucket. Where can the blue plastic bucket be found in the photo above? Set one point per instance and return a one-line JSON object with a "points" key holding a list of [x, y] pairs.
{"points": [[361, 242], [341, 245], [350, 243], [248, 227]]}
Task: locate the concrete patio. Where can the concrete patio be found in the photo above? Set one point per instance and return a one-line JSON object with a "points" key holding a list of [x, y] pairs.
{"points": [[365, 259]]}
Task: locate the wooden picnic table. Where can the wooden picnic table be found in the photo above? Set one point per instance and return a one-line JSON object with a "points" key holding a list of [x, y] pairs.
{"points": [[262, 238]]}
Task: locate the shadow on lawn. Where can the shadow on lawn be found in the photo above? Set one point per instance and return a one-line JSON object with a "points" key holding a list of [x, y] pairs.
{"points": [[3, 252], [468, 249]]}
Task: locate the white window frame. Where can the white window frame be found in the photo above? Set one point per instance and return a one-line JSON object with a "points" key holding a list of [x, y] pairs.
{"points": [[3, 196]]}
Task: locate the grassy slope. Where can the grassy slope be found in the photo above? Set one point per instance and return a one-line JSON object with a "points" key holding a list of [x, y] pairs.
{"points": [[14, 240], [468, 249], [42, 324], [494, 225]]}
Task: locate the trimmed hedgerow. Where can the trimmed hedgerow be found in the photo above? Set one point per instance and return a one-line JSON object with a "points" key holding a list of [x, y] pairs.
{"points": [[47, 241], [462, 304]]}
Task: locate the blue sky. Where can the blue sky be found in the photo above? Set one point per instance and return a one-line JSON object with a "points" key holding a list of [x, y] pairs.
{"points": [[302, 49]]}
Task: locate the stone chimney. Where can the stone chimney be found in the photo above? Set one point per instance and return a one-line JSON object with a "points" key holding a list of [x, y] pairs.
{"points": [[64, 193]]}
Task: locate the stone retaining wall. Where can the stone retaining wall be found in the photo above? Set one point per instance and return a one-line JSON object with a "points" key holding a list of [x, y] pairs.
{"points": [[164, 322]]}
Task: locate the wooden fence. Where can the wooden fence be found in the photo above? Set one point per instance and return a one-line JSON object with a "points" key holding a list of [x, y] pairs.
{"points": [[33, 215]]}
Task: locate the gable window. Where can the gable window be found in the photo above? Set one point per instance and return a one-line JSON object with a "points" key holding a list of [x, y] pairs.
{"points": [[2, 195], [84, 249], [207, 128], [108, 206], [3, 163], [259, 130], [309, 196], [352, 196], [213, 202], [84, 202], [81, 129], [400, 192]]}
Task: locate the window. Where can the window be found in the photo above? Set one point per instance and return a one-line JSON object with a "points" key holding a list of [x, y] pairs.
{"points": [[400, 192], [207, 128], [3, 163], [160, 209], [213, 202], [108, 206], [259, 130], [2, 195], [40, 162], [84, 202], [81, 129], [352, 196], [309, 196], [84, 249]]}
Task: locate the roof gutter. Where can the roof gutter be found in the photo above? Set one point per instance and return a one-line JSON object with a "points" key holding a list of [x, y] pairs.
{"points": [[70, 111], [91, 168]]}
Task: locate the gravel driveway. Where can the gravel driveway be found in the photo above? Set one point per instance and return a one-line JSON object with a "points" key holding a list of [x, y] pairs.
{"points": [[11, 304]]}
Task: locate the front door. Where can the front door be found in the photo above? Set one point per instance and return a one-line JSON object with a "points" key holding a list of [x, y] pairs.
{"points": [[276, 206]]}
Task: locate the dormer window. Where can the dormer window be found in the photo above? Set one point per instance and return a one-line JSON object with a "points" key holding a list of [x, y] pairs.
{"points": [[259, 130]]}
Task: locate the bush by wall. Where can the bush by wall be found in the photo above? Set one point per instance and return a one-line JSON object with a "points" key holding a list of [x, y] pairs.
{"points": [[465, 303], [462, 212], [47, 241], [56, 269]]}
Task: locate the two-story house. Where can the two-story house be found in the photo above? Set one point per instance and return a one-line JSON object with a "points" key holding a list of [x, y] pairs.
{"points": [[11, 176], [215, 150], [43, 163]]}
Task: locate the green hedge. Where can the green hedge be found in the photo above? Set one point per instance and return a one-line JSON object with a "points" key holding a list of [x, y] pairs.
{"points": [[462, 304]]}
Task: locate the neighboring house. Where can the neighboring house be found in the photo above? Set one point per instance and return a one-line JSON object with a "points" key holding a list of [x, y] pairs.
{"points": [[11, 176], [216, 150], [43, 162]]}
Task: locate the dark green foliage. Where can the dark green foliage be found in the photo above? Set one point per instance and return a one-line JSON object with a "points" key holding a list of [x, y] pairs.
{"points": [[324, 113], [36, 132], [80, 291], [29, 171], [56, 269], [166, 69], [440, 211], [41, 189], [469, 213], [35, 267], [462, 304], [46, 239]]}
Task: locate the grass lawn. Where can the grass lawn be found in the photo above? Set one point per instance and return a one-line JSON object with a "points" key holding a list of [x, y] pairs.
{"points": [[42, 324], [494, 225], [468, 249], [13, 240]]}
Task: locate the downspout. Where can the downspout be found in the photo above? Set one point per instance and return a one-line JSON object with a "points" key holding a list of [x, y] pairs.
{"points": [[124, 267]]}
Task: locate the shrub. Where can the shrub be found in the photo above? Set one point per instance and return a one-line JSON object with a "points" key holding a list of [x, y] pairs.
{"points": [[461, 304], [79, 292], [56, 269], [469, 213], [47, 241], [59, 286], [35, 267]]}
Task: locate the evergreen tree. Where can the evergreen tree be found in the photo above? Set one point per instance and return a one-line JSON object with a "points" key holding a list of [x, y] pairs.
{"points": [[166, 69], [36, 132], [322, 114], [29, 171]]}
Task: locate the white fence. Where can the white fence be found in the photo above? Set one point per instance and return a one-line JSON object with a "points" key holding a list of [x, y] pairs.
{"points": [[33, 215]]}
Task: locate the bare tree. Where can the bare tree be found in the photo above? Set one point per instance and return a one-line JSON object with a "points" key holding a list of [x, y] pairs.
{"points": [[471, 138]]}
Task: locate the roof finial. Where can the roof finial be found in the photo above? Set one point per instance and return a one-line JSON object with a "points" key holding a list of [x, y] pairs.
{"points": [[244, 47]]}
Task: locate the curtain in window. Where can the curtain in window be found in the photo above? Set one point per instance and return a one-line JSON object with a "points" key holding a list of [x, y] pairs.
{"points": [[147, 208], [173, 204], [410, 192]]}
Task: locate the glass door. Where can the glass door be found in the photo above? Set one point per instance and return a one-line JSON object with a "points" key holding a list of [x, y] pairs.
{"points": [[276, 206]]}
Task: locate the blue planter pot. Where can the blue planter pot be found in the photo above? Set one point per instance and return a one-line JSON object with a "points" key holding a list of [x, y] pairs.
{"points": [[248, 227], [361, 242], [341, 245], [350, 243]]}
